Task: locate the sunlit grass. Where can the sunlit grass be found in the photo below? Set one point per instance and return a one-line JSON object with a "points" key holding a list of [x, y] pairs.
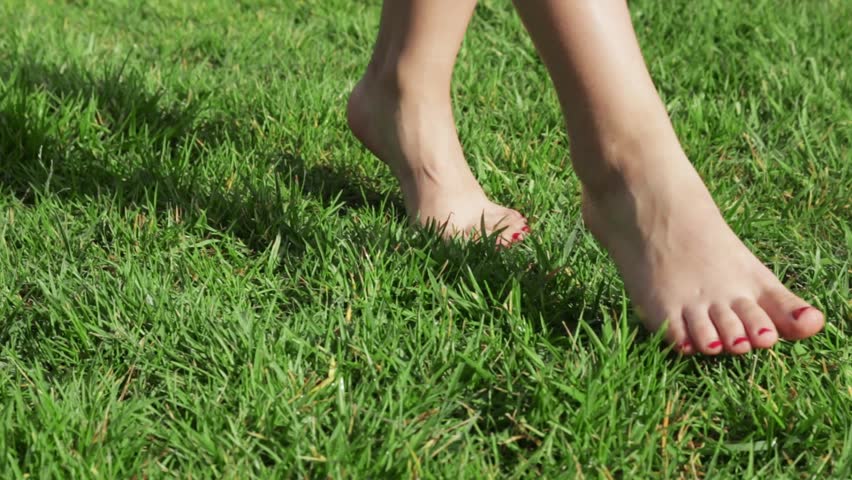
{"points": [[203, 274]]}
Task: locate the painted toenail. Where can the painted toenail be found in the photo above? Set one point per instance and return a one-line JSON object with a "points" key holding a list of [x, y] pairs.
{"points": [[686, 345], [764, 330], [526, 229], [799, 311], [740, 340], [516, 236], [714, 344]]}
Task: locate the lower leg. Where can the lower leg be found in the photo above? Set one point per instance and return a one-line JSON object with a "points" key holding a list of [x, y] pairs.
{"points": [[643, 200], [401, 111]]}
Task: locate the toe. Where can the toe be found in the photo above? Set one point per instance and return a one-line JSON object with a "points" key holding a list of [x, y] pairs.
{"points": [[677, 334], [509, 237], [730, 328], [758, 326], [792, 316], [513, 229], [701, 330]]}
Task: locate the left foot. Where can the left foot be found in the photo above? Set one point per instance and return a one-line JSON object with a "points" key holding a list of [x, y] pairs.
{"points": [[416, 136]]}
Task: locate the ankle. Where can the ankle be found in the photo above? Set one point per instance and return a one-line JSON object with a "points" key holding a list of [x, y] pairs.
{"points": [[614, 162], [391, 122], [382, 94], [399, 80]]}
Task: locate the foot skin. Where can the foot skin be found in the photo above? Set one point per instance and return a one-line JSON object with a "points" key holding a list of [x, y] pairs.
{"points": [[685, 269], [417, 138]]}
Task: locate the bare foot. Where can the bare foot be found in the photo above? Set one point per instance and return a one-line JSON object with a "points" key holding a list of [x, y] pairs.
{"points": [[417, 138], [681, 263]]}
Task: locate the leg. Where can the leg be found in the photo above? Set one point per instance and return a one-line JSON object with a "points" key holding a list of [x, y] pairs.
{"points": [[643, 200], [401, 111]]}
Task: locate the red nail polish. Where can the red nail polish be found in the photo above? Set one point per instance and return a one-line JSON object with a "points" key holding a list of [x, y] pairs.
{"points": [[714, 344], [516, 236], [526, 229], [763, 330], [799, 311], [686, 345], [740, 340]]}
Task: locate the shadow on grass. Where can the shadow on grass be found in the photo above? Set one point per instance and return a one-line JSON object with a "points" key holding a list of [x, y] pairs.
{"points": [[42, 152], [56, 122]]}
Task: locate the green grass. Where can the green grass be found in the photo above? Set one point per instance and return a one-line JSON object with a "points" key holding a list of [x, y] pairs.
{"points": [[202, 274]]}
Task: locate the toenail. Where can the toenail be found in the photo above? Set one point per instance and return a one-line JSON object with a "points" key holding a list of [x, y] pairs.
{"points": [[799, 311], [764, 330], [516, 236], [714, 344], [740, 340], [686, 345], [526, 229]]}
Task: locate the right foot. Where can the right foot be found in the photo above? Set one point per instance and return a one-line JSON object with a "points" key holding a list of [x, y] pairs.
{"points": [[684, 268], [417, 138]]}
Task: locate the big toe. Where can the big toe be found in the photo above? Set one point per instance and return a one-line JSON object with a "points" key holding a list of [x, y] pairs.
{"points": [[792, 316], [512, 228]]}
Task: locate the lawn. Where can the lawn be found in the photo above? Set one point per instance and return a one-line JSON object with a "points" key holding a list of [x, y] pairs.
{"points": [[203, 274]]}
